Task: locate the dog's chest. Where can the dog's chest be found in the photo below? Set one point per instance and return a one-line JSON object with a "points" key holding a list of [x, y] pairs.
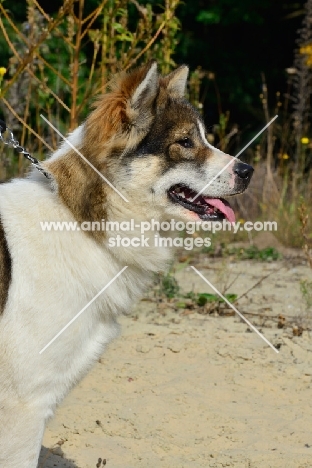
{"points": [[63, 284]]}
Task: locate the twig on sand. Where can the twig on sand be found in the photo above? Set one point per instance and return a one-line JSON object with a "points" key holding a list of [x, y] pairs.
{"points": [[258, 282]]}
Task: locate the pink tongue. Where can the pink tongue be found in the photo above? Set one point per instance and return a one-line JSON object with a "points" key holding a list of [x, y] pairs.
{"points": [[221, 206]]}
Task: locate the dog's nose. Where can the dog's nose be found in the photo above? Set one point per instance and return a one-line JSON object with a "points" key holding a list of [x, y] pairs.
{"points": [[243, 170]]}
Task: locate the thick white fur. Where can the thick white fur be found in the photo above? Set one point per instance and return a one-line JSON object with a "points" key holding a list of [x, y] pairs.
{"points": [[50, 268]]}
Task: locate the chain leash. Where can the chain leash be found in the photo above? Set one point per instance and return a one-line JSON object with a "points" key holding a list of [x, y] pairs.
{"points": [[7, 138]]}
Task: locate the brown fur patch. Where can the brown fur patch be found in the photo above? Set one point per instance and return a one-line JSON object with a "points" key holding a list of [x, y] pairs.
{"points": [[202, 154], [5, 269], [81, 189], [110, 116]]}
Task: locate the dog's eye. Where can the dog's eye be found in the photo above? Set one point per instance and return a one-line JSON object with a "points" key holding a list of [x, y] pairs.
{"points": [[185, 142]]}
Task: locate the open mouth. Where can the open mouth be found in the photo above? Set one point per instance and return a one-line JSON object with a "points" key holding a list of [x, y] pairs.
{"points": [[208, 209]]}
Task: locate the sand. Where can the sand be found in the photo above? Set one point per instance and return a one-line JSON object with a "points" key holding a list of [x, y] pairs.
{"points": [[183, 389]]}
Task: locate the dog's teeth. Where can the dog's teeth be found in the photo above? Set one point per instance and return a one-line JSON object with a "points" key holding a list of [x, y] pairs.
{"points": [[182, 194]]}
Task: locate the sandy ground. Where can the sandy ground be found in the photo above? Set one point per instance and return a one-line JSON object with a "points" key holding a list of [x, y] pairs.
{"points": [[193, 390]]}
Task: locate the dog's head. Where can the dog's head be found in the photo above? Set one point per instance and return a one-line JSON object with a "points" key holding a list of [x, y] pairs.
{"points": [[150, 143], [159, 156]]}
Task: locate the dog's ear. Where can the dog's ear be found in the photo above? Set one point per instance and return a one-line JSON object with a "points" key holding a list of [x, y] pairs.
{"points": [[176, 82], [145, 93]]}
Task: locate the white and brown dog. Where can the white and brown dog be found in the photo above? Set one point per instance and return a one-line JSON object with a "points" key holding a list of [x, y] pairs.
{"points": [[150, 144]]}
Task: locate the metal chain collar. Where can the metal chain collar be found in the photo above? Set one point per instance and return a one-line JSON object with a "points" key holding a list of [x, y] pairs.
{"points": [[7, 138]]}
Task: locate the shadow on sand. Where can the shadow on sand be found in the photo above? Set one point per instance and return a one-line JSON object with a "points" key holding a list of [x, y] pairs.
{"points": [[49, 459]]}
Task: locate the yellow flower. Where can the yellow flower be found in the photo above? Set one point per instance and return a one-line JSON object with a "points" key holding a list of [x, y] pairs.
{"points": [[305, 140], [307, 49], [2, 71], [285, 156]]}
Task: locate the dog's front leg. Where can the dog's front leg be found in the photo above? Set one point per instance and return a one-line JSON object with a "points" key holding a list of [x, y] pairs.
{"points": [[21, 432]]}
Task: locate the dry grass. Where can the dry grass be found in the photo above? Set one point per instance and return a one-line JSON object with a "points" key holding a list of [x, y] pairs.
{"points": [[93, 45]]}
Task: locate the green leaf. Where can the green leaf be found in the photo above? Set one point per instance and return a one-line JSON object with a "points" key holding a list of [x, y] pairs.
{"points": [[125, 37], [209, 17], [203, 298], [119, 27]]}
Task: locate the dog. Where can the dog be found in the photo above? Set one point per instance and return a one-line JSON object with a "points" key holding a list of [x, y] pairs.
{"points": [[141, 154]]}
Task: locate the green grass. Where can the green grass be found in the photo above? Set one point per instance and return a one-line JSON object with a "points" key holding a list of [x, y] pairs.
{"points": [[169, 286], [268, 254], [201, 299]]}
